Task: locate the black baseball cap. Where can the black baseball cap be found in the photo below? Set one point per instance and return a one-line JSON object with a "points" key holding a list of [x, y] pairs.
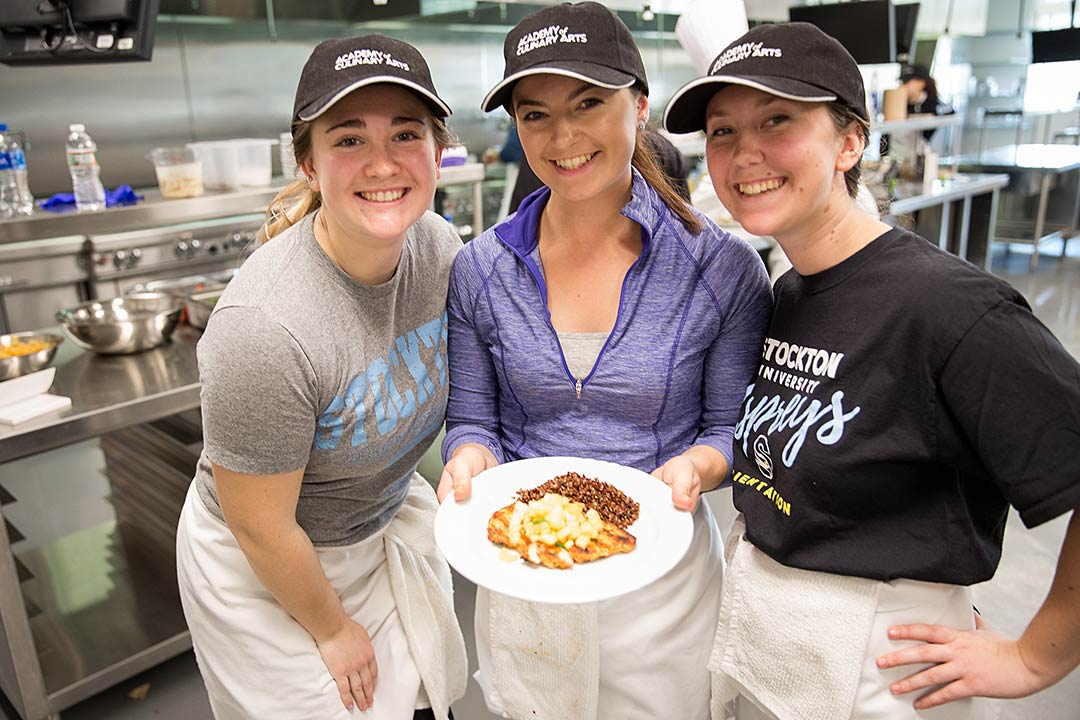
{"points": [[583, 40], [792, 60], [337, 67]]}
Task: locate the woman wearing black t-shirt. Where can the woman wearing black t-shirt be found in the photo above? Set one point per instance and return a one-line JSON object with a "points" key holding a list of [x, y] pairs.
{"points": [[904, 400]]}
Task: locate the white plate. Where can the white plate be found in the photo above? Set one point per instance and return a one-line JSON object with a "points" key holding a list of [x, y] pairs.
{"points": [[663, 534], [27, 386]]}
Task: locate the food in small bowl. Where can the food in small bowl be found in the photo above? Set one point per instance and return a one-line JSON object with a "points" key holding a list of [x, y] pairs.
{"points": [[124, 325], [26, 352]]}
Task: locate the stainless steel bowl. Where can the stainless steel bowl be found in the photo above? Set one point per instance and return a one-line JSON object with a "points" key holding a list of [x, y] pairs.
{"points": [[13, 367], [199, 306], [125, 325]]}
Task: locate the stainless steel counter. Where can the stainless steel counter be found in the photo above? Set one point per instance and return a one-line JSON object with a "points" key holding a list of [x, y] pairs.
{"points": [[1049, 172], [959, 214], [155, 211], [108, 393], [912, 196]]}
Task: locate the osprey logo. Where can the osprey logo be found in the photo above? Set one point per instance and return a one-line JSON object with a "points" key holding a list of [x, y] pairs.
{"points": [[762, 456]]}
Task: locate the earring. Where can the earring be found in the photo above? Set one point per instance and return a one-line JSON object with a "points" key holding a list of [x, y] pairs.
{"points": [[641, 126]]}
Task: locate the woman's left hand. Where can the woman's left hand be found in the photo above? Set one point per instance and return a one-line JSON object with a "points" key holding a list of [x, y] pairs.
{"points": [[682, 476], [968, 663]]}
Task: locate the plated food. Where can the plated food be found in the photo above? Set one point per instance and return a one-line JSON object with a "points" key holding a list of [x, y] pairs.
{"points": [[557, 531], [640, 536]]}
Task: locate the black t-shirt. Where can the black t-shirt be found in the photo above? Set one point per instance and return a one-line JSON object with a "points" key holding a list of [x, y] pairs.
{"points": [[904, 399]]}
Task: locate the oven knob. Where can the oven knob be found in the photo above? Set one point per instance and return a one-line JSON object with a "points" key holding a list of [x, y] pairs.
{"points": [[213, 248], [181, 249], [134, 257], [119, 259], [237, 240], [194, 245]]}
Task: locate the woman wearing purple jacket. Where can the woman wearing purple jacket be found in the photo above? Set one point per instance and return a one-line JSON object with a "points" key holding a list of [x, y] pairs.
{"points": [[605, 319]]}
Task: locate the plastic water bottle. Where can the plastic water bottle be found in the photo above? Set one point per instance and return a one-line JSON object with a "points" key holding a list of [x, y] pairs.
{"points": [[15, 197], [8, 189], [85, 172]]}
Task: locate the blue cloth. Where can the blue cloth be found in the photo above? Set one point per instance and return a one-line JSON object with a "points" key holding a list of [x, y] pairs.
{"points": [[673, 373], [64, 202]]}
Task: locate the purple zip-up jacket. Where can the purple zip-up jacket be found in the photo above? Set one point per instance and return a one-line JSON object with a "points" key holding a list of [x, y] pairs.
{"points": [[673, 372]]}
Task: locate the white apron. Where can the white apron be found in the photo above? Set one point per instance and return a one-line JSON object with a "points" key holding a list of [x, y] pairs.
{"points": [[258, 662], [639, 656], [794, 644]]}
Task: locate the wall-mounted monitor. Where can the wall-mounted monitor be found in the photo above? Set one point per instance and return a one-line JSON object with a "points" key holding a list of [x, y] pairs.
{"points": [[1055, 45], [906, 15], [865, 28], [68, 32]]}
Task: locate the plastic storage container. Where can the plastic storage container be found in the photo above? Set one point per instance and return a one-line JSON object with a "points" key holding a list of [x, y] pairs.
{"points": [[233, 164], [179, 174]]}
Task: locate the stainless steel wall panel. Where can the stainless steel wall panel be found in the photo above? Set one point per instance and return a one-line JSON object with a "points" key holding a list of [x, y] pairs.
{"points": [[214, 78]]}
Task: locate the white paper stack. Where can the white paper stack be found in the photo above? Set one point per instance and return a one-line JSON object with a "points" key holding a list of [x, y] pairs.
{"points": [[26, 398]]}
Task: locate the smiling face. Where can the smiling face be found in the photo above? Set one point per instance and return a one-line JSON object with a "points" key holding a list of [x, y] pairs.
{"points": [[578, 137], [777, 165], [374, 161]]}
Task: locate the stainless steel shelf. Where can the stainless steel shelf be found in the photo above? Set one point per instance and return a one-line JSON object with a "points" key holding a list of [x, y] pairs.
{"points": [[153, 211], [108, 606]]}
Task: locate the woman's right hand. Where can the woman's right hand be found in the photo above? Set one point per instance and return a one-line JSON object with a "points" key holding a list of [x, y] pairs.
{"points": [[350, 658], [467, 462]]}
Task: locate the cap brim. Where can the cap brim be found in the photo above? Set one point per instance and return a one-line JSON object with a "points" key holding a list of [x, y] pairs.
{"points": [[317, 108], [591, 73], [685, 112]]}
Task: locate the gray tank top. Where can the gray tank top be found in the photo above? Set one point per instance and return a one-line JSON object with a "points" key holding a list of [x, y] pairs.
{"points": [[581, 350]]}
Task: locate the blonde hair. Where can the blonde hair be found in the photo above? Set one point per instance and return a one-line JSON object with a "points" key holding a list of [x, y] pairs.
{"points": [[297, 199]]}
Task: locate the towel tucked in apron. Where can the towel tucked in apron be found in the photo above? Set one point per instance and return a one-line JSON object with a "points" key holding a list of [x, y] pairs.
{"points": [[257, 661], [801, 645], [639, 656]]}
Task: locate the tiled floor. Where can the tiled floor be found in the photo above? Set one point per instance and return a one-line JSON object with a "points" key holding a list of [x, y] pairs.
{"points": [[175, 691]]}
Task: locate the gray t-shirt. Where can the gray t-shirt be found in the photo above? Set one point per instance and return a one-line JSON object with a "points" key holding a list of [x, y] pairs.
{"points": [[303, 367]]}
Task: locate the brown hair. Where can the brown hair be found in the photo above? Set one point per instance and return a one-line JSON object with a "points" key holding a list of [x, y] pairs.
{"points": [[842, 117], [297, 199], [645, 162]]}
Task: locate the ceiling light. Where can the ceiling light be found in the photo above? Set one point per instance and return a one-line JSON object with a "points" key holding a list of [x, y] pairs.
{"points": [[647, 14]]}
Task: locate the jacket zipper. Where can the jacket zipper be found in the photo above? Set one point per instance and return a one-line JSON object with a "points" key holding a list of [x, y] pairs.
{"points": [[578, 382]]}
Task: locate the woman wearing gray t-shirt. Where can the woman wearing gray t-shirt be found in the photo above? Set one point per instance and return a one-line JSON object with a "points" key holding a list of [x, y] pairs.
{"points": [[306, 560]]}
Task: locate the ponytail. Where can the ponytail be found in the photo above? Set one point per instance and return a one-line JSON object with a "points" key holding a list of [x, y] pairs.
{"points": [[644, 161]]}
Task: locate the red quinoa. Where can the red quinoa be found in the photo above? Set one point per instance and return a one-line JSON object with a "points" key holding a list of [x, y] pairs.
{"points": [[611, 503]]}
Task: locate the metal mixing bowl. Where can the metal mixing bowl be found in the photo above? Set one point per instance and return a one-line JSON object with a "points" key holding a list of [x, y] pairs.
{"points": [[13, 367], [125, 325]]}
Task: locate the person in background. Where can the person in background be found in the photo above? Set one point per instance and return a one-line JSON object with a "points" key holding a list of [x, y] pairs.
{"points": [[606, 319], [922, 95], [305, 551], [905, 399]]}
